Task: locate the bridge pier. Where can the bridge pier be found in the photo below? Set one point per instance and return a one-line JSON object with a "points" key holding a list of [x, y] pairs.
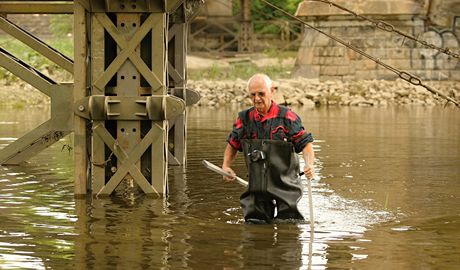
{"points": [[127, 108]]}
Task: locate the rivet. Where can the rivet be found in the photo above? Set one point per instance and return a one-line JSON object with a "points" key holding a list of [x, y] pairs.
{"points": [[81, 108]]}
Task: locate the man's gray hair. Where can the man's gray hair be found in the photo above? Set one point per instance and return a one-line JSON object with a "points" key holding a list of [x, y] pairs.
{"points": [[268, 81]]}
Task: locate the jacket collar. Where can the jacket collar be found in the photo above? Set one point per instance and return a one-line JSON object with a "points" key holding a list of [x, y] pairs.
{"points": [[272, 113]]}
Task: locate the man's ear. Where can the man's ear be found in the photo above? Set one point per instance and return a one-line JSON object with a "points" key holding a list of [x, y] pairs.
{"points": [[274, 88]]}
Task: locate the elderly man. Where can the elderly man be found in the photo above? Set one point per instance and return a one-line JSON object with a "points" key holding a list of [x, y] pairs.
{"points": [[269, 135]]}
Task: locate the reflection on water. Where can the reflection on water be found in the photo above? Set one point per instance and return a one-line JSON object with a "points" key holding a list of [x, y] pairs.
{"points": [[387, 198]]}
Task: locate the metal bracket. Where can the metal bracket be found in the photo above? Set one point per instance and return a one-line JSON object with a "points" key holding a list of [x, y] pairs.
{"points": [[127, 6], [154, 108], [192, 97], [173, 5]]}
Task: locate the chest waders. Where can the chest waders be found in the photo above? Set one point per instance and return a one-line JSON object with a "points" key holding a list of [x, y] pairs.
{"points": [[274, 181]]}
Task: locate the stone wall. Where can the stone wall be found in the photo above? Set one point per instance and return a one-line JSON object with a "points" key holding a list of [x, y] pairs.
{"points": [[323, 58]]}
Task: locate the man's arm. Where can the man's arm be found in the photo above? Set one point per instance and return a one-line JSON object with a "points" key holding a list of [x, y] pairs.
{"points": [[229, 157], [309, 157]]}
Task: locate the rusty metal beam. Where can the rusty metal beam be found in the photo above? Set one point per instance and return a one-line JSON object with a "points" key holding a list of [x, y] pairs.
{"points": [[36, 7], [57, 127], [79, 91], [172, 5], [28, 73]]}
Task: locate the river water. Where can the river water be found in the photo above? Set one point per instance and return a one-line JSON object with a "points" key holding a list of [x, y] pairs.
{"points": [[387, 197]]}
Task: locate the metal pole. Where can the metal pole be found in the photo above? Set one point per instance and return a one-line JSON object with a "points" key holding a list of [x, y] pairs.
{"points": [[245, 40]]}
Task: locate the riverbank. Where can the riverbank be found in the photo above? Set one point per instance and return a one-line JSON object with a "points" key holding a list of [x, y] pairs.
{"points": [[219, 83], [296, 91], [21, 95], [312, 93]]}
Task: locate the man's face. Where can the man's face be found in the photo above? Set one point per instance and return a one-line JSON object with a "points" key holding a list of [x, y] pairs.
{"points": [[260, 95]]}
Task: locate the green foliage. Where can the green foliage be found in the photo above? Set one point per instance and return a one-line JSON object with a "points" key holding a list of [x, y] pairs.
{"points": [[235, 71], [63, 45], [33, 58], [61, 25], [261, 11]]}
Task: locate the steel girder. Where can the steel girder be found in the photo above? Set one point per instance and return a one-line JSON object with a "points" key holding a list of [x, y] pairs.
{"points": [[123, 77]]}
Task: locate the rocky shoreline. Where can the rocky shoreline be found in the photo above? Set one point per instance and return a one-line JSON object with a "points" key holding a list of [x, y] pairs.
{"points": [[297, 91], [307, 92]]}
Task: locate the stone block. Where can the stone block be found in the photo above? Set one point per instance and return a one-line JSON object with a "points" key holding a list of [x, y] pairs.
{"points": [[455, 75], [367, 64], [385, 74], [403, 64], [366, 74], [330, 78], [310, 8], [382, 42], [444, 61], [338, 23], [358, 43], [417, 63], [398, 53], [314, 38], [332, 51], [370, 42], [328, 70], [349, 78], [343, 70], [306, 71], [434, 75], [377, 52], [305, 56], [322, 40], [440, 75], [350, 31], [366, 31], [429, 64], [353, 56], [419, 73], [384, 35], [316, 60], [338, 51], [334, 61]]}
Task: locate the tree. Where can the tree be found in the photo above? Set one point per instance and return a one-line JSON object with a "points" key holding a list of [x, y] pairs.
{"points": [[261, 11]]}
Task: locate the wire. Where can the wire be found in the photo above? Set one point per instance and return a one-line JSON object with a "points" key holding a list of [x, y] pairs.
{"points": [[402, 74]]}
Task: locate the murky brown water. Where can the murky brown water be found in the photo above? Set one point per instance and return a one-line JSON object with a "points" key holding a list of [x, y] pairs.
{"points": [[388, 197]]}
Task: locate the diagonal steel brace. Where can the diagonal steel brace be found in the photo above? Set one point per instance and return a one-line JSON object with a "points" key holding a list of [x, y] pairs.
{"points": [[127, 161]]}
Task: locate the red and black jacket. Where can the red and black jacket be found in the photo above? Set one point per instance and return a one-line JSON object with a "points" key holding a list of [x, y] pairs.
{"points": [[280, 123]]}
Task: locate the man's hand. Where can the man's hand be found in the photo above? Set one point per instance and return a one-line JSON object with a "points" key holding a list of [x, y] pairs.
{"points": [[309, 157], [229, 156], [309, 172], [230, 171]]}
